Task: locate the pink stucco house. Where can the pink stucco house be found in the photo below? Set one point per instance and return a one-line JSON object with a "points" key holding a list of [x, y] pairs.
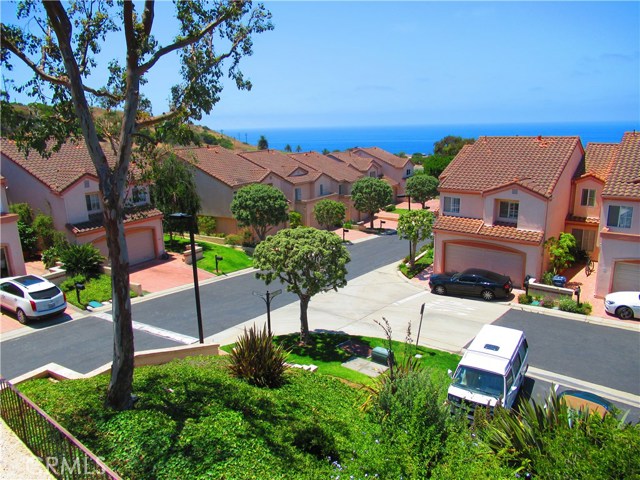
{"points": [[618, 267], [65, 186], [11, 259], [500, 199]]}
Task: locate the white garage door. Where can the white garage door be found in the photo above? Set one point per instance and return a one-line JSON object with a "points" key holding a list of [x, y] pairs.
{"points": [[140, 246], [626, 277], [461, 257]]}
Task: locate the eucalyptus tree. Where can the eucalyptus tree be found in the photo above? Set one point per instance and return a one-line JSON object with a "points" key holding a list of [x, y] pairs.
{"points": [[61, 43]]}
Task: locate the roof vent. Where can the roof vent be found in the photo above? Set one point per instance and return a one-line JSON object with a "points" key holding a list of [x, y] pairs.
{"points": [[493, 348]]}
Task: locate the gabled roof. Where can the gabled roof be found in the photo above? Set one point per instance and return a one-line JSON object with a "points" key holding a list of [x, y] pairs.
{"points": [[360, 163], [383, 155], [624, 177], [282, 165], [476, 226], [336, 169], [225, 165], [62, 169], [598, 159], [535, 163]]}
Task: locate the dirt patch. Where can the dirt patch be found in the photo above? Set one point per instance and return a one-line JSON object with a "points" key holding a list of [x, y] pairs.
{"points": [[358, 349]]}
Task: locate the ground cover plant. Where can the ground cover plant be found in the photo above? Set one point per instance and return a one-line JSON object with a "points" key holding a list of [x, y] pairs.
{"points": [[95, 289], [232, 259]]}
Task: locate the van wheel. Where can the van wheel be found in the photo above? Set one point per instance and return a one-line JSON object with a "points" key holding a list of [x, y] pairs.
{"points": [[439, 290], [22, 318], [488, 295]]}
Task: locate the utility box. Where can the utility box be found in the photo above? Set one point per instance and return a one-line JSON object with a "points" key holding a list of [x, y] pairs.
{"points": [[381, 355]]}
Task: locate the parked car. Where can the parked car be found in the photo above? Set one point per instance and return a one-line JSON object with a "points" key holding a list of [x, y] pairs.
{"points": [[31, 296], [582, 401], [624, 305], [472, 281]]}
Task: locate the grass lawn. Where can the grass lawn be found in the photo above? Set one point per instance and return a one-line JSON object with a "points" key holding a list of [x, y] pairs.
{"points": [[232, 261], [420, 265], [324, 352], [98, 289]]}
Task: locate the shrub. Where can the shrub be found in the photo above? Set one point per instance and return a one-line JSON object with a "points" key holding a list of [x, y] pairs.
{"points": [[234, 239], [258, 360], [569, 305], [525, 299], [311, 437], [547, 277], [206, 224], [50, 257], [389, 208], [28, 239], [43, 226], [82, 259], [347, 224], [24, 212], [295, 219], [547, 302]]}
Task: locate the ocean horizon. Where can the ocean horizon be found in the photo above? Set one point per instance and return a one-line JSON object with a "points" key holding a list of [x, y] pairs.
{"points": [[410, 139]]}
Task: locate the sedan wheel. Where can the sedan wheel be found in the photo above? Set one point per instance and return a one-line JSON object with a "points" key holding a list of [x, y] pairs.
{"points": [[624, 313], [439, 290], [22, 318], [488, 295]]}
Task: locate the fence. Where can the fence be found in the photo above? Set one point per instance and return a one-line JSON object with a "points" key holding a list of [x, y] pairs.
{"points": [[62, 454]]}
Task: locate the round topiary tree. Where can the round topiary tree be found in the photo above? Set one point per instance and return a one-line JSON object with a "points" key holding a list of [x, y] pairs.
{"points": [[370, 194]]}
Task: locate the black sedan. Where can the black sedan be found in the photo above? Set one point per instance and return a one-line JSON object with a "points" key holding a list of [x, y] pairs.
{"points": [[472, 281]]}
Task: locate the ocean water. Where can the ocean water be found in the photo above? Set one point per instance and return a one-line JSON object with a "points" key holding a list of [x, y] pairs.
{"points": [[420, 138]]}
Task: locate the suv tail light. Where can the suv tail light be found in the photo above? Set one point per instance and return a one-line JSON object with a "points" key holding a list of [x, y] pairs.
{"points": [[507, 286], [34, 307]]}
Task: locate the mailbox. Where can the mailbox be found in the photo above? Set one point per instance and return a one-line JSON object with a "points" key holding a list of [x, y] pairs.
{"points": [[381, 355]]}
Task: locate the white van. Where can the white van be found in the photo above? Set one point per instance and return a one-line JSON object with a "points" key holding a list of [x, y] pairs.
{"points": [[491, 371]]}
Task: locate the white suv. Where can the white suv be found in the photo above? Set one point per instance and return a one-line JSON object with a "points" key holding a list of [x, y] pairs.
{"points": [[31, 296]]}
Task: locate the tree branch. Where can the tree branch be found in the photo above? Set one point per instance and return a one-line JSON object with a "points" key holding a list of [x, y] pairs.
{"points": [[147, 17]]}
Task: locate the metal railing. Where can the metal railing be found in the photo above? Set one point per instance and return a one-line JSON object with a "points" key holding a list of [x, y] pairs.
{"points": [[60, 452]]}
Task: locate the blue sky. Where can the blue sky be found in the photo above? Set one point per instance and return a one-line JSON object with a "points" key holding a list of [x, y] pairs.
{"points": [[410, 63]]}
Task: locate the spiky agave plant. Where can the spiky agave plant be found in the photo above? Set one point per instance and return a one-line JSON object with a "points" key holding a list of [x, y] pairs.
{"points": [[257, 359]]}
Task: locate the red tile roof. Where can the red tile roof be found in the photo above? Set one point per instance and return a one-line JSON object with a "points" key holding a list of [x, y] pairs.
{"points": [[598, 159], [336, 169], [362, 164], [476, 226], [282, 165], [62, 169], [624, 176], [130, 216], [223, 164], [383, 155], [535, 163]]}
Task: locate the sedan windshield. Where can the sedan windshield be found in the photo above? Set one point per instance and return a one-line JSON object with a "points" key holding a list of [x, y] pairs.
{"points": [[479, 381]]}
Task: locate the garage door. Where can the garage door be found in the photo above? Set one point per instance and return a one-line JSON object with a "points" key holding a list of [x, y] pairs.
{"points": [[626, 277], [139, 245], [461, 257]]}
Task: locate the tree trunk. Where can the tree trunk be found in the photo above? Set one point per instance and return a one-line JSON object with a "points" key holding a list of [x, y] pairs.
{"points": [[121, 383], [412, 253], [372, 216], [304, 321]]}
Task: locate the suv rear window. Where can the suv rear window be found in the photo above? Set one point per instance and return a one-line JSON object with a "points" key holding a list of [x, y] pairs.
{"points": [[44, 294]]}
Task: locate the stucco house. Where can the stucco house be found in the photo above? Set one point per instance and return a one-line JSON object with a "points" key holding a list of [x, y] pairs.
{"points": [[375, 162], [500, 199], [65, 186], [11, 258], [618, 267]]}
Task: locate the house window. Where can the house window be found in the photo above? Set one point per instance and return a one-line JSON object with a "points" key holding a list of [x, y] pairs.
{"points": [[373, 174], [139, 195], [585, 239], [340, 189], [508, 211], [451, 205], [619, 216], [86, 184], [321, 190], [298, 194], [588, 197], [93, 202], [408, 172]]}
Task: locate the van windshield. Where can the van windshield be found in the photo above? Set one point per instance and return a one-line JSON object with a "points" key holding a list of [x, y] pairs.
{"points": [[479, 381]]}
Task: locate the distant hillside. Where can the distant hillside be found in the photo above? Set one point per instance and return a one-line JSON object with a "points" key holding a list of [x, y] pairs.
{"points": [[207, 136]]}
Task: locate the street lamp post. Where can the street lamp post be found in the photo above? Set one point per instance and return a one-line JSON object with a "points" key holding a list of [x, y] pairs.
{"points": [[191, 218], [267, 299]]}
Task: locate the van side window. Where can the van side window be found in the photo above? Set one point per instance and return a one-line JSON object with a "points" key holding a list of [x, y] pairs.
{"points": [[522, 351], [517, 362], [509, 380]]}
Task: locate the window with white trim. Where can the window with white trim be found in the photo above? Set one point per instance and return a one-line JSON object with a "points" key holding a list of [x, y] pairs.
{"points": [[619, 216], [585, 239], [93, 202], [588, 197], [451, 205], [508, 211]]}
